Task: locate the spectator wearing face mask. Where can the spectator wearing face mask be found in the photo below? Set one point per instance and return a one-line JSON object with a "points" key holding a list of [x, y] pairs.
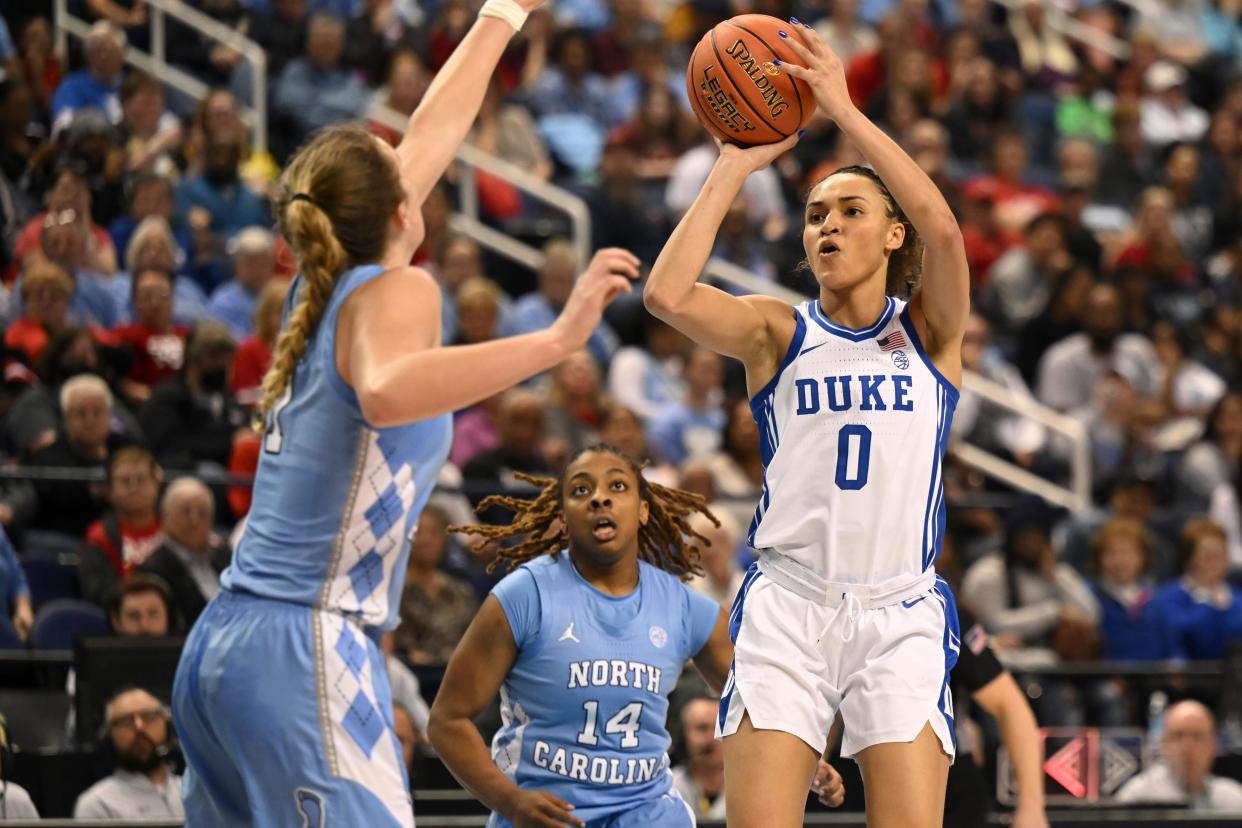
{"points": [[193, 419]]}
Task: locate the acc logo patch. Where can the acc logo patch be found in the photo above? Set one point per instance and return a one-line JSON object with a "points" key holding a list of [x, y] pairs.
{"points": [[658, 636], [900, 359]]}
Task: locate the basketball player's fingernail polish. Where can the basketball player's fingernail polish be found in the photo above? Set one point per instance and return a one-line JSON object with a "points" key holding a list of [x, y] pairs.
{"points": [[795, 21], [801, 132], [776, 63], [808, 25], [782, 34]]}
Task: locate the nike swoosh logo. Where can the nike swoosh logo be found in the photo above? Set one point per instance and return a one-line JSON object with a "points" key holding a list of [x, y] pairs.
{"points": [[912, 602], [812, 348]]}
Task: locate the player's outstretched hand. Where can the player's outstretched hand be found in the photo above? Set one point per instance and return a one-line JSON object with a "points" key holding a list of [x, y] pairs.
{"points": [[607, 276], [828, 785], [820, 67], [540, 809]]}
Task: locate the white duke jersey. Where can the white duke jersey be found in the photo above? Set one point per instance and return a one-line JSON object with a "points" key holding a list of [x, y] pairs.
{"points": [[853, 430]]}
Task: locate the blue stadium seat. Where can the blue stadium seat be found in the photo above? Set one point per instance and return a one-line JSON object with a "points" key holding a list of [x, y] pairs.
{"points": [[49, 546], [58, 624], [50, 580]]}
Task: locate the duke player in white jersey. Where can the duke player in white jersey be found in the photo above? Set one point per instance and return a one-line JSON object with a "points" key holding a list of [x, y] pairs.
{"points": [[281, 698], [584, 641], [853, 393]]}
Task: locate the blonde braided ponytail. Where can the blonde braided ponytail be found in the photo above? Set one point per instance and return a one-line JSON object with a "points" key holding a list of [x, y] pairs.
{"points": [[335, 200]]}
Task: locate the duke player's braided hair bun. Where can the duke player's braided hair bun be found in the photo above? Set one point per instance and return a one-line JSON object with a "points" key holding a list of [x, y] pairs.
{"points": [[664, 542], [905, 264], [335, 199]]}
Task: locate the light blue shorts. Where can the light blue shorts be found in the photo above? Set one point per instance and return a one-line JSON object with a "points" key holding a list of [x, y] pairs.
{"points": [[285, 718]]}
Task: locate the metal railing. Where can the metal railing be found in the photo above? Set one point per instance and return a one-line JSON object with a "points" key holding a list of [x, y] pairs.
{"points": [[1078, 496], [155, 63], [468, 220]]}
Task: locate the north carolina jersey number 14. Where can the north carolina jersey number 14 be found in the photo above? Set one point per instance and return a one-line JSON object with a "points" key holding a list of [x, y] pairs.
{"points": [[626, 722]]}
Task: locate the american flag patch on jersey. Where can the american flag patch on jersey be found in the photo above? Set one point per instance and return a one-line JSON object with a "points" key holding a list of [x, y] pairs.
{"points": [[892, 342], [976, 639]]}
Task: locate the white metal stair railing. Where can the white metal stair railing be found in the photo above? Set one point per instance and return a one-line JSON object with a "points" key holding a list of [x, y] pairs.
{"points": [[155, 63], [468, 220]]}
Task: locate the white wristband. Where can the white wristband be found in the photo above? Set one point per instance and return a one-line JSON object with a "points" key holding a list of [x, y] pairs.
{"points": [[506, 10]]}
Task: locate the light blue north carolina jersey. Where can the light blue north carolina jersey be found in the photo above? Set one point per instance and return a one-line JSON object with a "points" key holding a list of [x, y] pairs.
{"points": [[853, 430], [585, 703], [335, 499]]}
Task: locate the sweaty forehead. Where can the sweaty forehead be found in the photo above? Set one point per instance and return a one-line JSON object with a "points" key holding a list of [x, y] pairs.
{"points": [[836, 187]]}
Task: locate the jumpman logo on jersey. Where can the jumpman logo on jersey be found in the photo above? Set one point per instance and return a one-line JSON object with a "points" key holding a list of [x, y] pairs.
{"points": [[569, 634]]}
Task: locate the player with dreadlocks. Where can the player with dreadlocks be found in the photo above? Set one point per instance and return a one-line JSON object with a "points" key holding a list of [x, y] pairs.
{"points": [[584, 648]]}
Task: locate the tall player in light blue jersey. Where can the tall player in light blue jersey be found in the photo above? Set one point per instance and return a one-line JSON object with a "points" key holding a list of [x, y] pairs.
{"points": [[584, 641], [281, 699], [853, 393]]}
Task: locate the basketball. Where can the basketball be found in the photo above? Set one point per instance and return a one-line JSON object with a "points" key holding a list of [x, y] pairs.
{"points": [[740, 95]]}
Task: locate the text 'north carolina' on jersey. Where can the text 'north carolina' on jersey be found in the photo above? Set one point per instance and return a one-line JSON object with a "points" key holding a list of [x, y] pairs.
{"points": [[853, 430], [584, 705], [335, 499]]}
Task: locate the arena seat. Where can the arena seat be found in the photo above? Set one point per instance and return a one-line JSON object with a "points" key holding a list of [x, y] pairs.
{"points": [[60, 622], [50, 580]]}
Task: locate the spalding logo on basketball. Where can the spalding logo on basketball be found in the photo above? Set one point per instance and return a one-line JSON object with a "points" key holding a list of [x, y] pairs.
{"points": [[739, 93]]}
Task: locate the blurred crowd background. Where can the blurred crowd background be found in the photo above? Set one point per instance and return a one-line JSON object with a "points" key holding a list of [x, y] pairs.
{"points": [[1099, 190]]}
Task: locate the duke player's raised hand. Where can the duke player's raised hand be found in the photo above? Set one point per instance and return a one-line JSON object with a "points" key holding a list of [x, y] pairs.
{"points": [[820, 67], [607, 276], [540, 809], [828, 785]]}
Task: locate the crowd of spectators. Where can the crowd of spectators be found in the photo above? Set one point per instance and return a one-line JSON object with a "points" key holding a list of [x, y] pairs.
{"points": [[1099, 191]]}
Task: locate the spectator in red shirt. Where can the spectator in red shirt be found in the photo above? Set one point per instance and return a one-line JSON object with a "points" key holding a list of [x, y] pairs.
{"points": [[157, 344], [1015, 202], [129, 532], [46, 289], [254, 354]]}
